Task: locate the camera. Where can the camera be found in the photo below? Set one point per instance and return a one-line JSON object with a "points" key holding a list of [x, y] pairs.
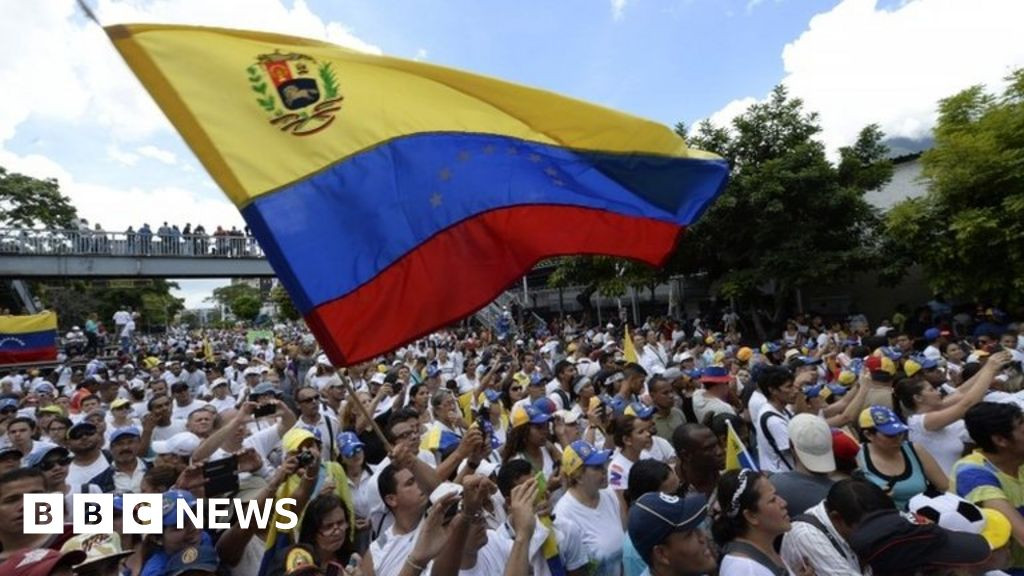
{"points": [[306, 458]]}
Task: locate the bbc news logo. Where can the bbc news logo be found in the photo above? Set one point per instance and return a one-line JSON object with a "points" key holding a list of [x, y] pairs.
{"points": [[149, 513]]}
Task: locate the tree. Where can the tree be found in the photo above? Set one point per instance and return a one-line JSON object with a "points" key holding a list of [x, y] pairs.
{"points": [[285, 307], [226, 295], [788, 218], [967, 231], [28, 202], [246, 308], [74, 300]]}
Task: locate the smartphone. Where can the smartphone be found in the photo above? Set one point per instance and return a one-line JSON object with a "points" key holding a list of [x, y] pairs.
{"points": [[220, 467], [264, 410], [221, 476]]}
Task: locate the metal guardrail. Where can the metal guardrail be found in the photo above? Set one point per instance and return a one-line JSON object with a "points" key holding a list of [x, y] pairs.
{"points": [[46, 242]]}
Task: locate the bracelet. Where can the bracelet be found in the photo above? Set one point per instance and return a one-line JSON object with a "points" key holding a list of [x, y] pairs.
{"points": [[413, 565]]}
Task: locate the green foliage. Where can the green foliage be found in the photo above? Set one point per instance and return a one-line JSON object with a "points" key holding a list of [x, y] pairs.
{"points": [[285, 307], [246, 308], [74, 300], [29, 202], [967, 232], [226, 295]]}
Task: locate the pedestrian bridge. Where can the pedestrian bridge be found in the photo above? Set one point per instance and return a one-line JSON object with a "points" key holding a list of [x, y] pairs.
{"points": [[33, 253]]}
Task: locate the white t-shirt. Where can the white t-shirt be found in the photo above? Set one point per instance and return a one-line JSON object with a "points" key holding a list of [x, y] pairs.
{"points": [[165, 432], [222, 404], [266, 443], [600, 530], [390, 551], [466, 384], [778, 427], [182, 412], [618, 471], [757, 401], [742, 566], [661, 450], [78, 475], [704, 403], [945, 444]]}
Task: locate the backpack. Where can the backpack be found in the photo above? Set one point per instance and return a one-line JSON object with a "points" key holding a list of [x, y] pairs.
{"points": [[762, 425]]}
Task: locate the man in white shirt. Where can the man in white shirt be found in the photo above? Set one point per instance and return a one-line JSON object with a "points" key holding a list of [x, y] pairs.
{"points": [[772, 423], [653, 356], [128, 467], [819, 537], [221, 400], [184, 403]]}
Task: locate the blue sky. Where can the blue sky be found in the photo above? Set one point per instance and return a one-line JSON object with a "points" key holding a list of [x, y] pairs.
{"points": [[83, 118]]}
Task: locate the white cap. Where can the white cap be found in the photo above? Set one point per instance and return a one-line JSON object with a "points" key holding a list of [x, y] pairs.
{"points": [[181, 444], [218, 382], [377, 378], [811, 439], [323, 360], [251, 371], [241, 360]]}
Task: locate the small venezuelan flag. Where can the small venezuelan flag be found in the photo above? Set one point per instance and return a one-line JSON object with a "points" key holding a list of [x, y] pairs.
{"points": [[30, 338], [393, 197], [736, 455]]}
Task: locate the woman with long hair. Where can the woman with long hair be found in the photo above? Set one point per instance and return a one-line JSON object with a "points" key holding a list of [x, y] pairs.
{"points": [[751, 515], [325, 530], [936, 423], [352, 457], [902, 468]]}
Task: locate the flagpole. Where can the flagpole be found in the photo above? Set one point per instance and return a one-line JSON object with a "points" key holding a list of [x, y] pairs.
{"points": [[352, 398]]}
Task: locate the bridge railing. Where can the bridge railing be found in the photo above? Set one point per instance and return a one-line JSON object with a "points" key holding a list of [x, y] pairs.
{"points": [[48, 242]]}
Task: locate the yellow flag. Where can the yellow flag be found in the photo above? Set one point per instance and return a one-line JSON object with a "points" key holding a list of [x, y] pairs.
{"points": [[736, 455], [628, 349]]}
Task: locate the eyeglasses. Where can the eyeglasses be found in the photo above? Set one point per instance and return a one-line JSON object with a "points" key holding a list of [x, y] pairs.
{"points": [[48, 465], [333, 527]]}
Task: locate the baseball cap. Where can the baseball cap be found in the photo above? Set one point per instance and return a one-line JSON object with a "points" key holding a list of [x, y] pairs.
{"points": [[378, 378], [349, 444], [119, 433], [119, 403], [817, 390], [744, 354], [528, 414], [847, 377], [567, 416], [882, 419], [8, 403], [931, 334], [39, 562], [181, 444], [545, 405], [881, 367], [97, 547], [918, 363], [715, 375], [844, 446], [894, 542], [51, 409], [812, 441], [242, 361], [83, 428], [581, 453], [169, 507], [769, 347], [295, 437], [44, 388], [251, 371], [8, 450], [264, 388], [202, 558], [218, 382], [656, 515], [640, 410], [36, 456]]}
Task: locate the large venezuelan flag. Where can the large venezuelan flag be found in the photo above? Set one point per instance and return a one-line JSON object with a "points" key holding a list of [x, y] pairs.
{"points": [[28, 338], [395, 197]]}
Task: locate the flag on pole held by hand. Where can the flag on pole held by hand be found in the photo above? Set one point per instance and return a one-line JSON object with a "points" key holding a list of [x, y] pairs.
{"points": [[394, 197], [628, 347], [736, 455]]}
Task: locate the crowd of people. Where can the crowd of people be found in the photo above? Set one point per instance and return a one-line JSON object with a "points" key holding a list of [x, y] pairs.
{"points": [[164, 240], [672, 448]]}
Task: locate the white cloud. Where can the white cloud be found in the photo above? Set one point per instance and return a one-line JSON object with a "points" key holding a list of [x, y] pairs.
{"points": [[159, 154], [421, 55], [67, 69], [120, 156], [723, 118], [618, 8], [857, 63]]}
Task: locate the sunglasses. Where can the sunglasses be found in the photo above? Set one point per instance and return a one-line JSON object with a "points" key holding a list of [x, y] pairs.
{"points": [[48, 465]]}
